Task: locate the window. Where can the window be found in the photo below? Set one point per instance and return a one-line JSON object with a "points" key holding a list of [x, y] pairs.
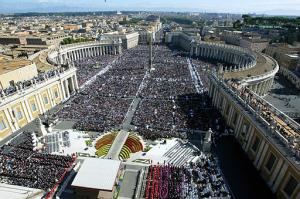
{"points": [[2, 125], [56, 94], [33, 107], [19, 115], [271, 162], [46, 100], [290, 186], [255, 144], [245, 128]]}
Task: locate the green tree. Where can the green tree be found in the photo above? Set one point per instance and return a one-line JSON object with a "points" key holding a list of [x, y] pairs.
{"points": [[237, 25]]}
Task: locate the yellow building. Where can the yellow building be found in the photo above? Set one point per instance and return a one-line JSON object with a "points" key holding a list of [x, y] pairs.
{"points": [[72, 27], [19, 107]]}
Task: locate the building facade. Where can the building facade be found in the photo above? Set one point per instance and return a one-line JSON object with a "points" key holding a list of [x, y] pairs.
{"points": [[23, 106], [268, 136], [76, 51], [251, 41], [129, 40]]}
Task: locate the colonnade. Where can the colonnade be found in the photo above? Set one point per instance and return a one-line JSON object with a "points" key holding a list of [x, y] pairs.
{"points": [[238, 59], [87, 51], [261, 88], [76, 51], [259, 139]]}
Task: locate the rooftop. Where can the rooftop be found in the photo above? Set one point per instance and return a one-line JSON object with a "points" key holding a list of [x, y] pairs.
{"points": [[41, 62], [11, 65], [264, 65], [94, 174], [256, 39]]}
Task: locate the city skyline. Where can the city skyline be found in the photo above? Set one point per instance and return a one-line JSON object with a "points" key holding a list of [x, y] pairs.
{"points": [[271, 7]]}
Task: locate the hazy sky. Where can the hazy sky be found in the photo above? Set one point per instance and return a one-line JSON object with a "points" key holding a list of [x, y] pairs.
{"points": [[235, 6]]}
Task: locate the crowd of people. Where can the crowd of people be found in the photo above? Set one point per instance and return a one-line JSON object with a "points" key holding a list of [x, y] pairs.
{"points": [[199, 179], [156, 133], [103, 104], [167, 181], [88, 67], [155, 114], [169, 76], [203, 69], [188, 112], [168, 106], [168, 99], [207, 176], [93, 113], [21, 165]]}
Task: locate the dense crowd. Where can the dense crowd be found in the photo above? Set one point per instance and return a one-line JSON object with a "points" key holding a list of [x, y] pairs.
{"points": [[201, 179], [155, 133], [169, 76], [103, 104], [168, 106], [156, 114], [93, 113], [21, 165], [202, 69], [169, 100], [88, 67], [168, 103], [166, 181], [208, 178], [188, 112]]}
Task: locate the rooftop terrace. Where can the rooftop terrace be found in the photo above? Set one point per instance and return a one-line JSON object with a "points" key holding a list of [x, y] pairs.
{"points": [[280, 129], [264, 65], [11, 65]]}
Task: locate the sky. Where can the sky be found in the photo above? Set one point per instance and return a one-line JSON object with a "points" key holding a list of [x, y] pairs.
{"points": [[282, 7]]}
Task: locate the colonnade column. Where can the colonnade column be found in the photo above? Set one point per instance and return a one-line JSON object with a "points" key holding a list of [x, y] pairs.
{"points": [[75, 82], [51, 97], [72, 83], [280, 177], [66, 83], [29, 109], [40, 100], [26, 111], [9, 120], [265, 87], [62, 90]]}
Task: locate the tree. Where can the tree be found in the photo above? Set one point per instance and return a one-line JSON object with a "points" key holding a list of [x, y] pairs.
{"points": [[237, 25]]}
